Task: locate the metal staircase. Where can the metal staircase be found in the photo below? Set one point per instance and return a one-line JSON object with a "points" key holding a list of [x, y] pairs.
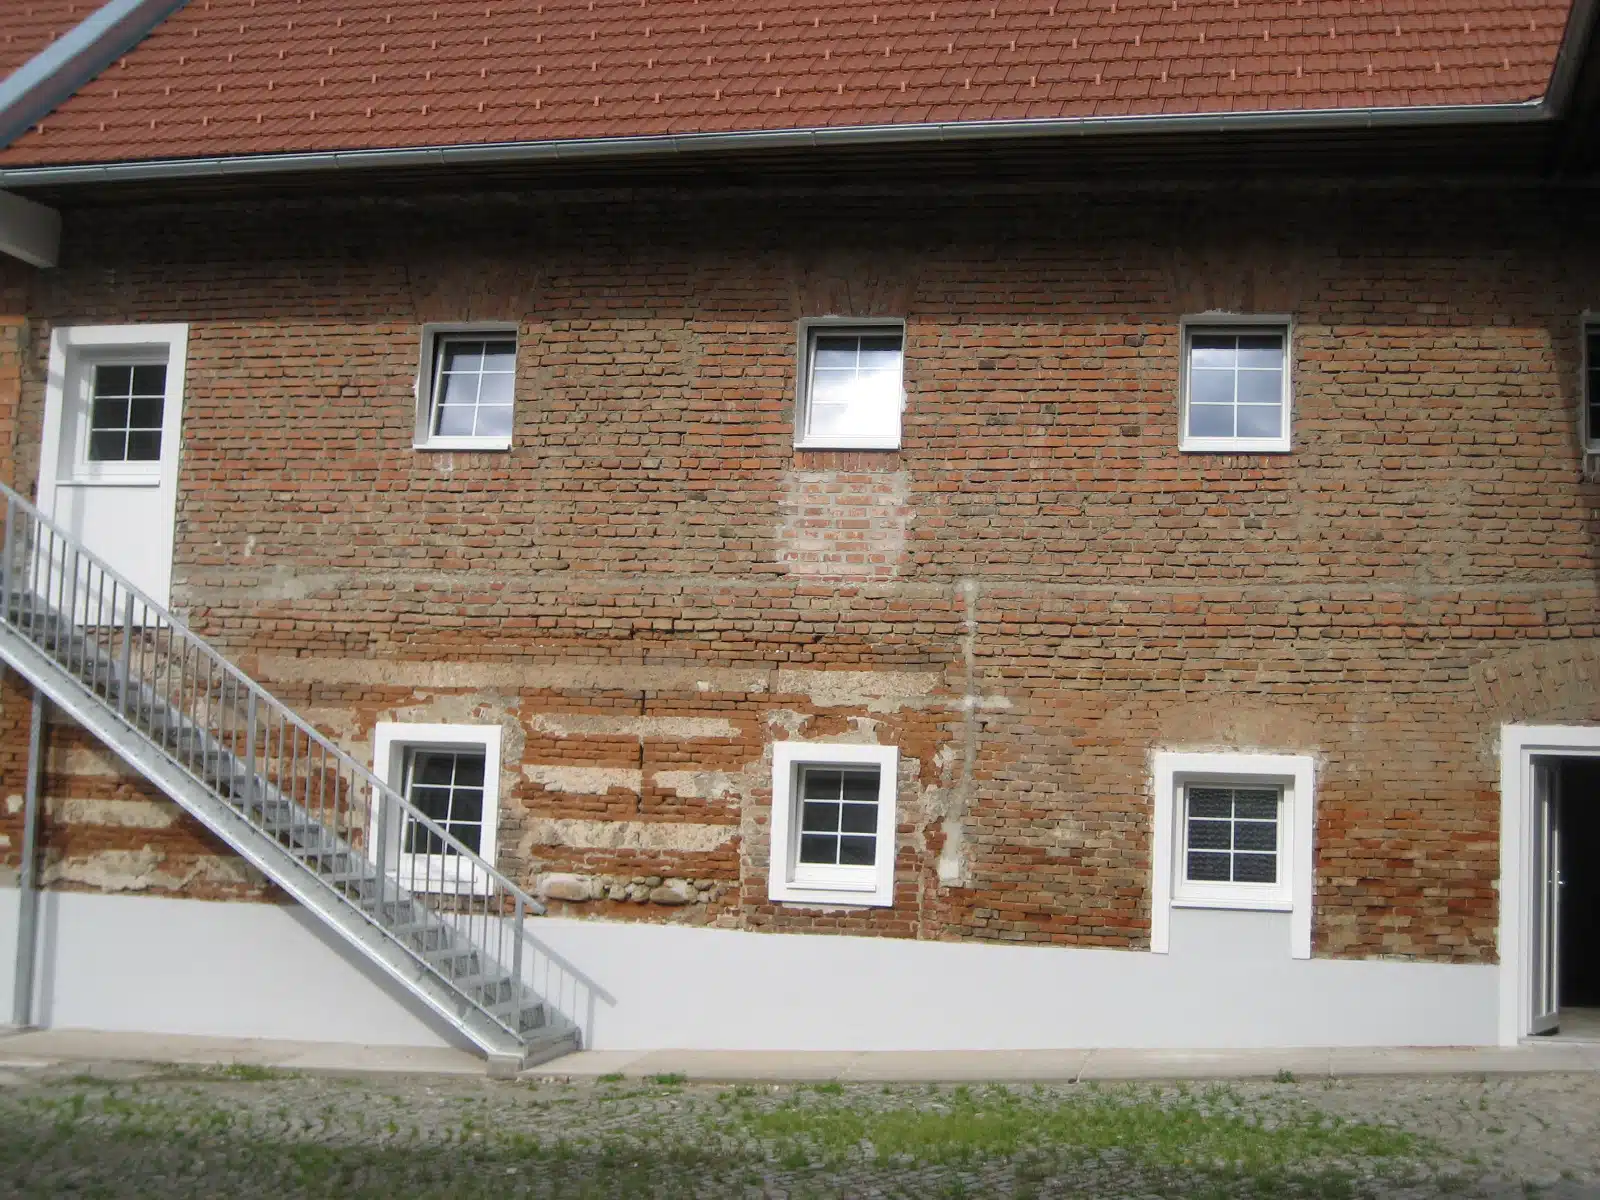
{"points": [[446, 925]]}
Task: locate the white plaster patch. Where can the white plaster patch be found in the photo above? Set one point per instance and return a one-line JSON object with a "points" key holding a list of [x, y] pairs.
{"points": [[584, 781], [876, 691], [511, 678], [630, 835], [14, 803], [128, 814], [656, 728], [140, 870], [697, 785]]}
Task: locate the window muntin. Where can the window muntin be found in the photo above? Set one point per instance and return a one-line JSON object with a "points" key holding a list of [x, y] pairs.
{"points": [[1236, 388], [854, 387], [838, 817], [447, 786], [126, 406], [1231, 833], [1591, 385], [833, 823]]}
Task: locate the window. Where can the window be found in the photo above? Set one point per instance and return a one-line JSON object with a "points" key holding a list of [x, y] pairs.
{"points": [[1233, 831], [1591, 387], [833, 823], [125, 412], [466, 387], [852, 385], [451, 774], [1235, 386]]}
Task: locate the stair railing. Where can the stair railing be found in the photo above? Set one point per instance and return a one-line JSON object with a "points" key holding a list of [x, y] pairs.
{"points": [[271, 765]]}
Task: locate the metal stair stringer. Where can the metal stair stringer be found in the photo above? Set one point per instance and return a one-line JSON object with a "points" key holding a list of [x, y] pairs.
{"points": [[267, 855], [443, 923]]}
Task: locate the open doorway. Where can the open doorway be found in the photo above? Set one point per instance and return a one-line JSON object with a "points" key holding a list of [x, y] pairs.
{"points": [[1577, 859]]}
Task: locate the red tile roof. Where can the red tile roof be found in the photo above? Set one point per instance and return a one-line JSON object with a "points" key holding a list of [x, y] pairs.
{"points": [[31, 25], [240, 77]]}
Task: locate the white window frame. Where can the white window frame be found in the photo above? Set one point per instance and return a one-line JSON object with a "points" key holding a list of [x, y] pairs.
{"points": [[1236, 323], [448, 873], [809, 329], [433, 337], [792, 882], [1588, 328], [1171, 772]]}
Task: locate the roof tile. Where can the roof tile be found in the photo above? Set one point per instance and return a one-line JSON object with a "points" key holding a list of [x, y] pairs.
{"points": [[232, 77]]}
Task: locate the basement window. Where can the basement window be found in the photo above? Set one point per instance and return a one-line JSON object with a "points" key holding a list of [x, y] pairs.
{"points": [[449, 774], [1233, 831], [833, 824], [851, 385], [466, 386], [1235, 385]]}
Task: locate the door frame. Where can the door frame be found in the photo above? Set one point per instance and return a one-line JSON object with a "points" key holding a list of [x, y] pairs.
{"points": [[70, 346], [1519, 745]]}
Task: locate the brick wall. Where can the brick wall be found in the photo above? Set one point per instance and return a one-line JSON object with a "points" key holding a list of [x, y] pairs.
{"points": [[1032, 595]]}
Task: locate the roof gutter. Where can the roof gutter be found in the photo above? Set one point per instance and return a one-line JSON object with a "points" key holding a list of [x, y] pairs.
{"points": [[1563, 76]]}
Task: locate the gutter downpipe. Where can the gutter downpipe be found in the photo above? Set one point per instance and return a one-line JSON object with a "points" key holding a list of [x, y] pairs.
{"points": [[1550, 106], [28, 875]]}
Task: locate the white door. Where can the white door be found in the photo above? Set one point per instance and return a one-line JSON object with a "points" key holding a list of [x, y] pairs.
{"points": [[108, 469], [1546, 913]]}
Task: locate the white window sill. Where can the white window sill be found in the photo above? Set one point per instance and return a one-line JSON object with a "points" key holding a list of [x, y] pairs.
{"points": [[1234, 446], [836, 895], [1249, 903], [463, 443], [848, 444]]}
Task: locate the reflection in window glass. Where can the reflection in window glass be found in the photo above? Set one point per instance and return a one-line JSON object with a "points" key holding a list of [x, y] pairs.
{"points": [[854, 386], [1235, 385], [472, 389]]}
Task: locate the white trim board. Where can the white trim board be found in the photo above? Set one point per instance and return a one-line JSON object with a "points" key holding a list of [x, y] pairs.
{"points": [[1519, 745]]}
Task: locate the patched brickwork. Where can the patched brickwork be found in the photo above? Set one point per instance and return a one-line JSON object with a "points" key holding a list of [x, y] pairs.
{"points": [[1029, 598]]}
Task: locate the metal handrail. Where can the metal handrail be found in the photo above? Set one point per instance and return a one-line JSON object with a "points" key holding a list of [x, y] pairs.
{"points": [[228, 732]]}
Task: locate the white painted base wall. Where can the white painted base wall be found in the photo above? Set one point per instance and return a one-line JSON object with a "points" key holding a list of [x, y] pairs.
{"points": [[248, 970]]}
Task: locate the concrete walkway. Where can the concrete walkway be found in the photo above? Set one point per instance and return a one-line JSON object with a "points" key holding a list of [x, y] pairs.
{"points": [[46, 1048]]}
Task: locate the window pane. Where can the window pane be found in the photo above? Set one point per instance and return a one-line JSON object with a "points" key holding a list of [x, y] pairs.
{"points": [[108, 447], [856, 851], [1210, 835], [1210, 420], [830, 419], [1210, 387], [1254, 835], [500, 356], [1260, 420], [880, 353], [113, 381], [819, 817], [1256, 805], [456, 420], [1261, 387], [144, 412], [1208, 868], [820, 783], [1261, 350], [861, 785], [1255, 868], [144, 446], [496, 389], [1213, 350], [467, 805], [494, 420], [835, 353], [833, 387], [1210, 802], [150, 380], [463, 355], [110, 412], [819, 849], [859, 818]]}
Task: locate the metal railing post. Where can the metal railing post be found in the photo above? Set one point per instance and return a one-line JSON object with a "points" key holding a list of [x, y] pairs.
{"points": [[127, 655], [516, 967], [250, 749]]}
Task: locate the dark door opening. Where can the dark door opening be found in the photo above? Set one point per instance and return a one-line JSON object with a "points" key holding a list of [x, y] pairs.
{"points": [[1578, 934]]}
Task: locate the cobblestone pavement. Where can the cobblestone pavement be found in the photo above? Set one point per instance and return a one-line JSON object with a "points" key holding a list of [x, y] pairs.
{"points": [[118, 1131]]}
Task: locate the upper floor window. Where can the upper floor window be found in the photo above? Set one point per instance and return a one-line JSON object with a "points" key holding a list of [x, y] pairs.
{"points": [[465, 388], [1235, 386], [852, 385], [1591, 386]]}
